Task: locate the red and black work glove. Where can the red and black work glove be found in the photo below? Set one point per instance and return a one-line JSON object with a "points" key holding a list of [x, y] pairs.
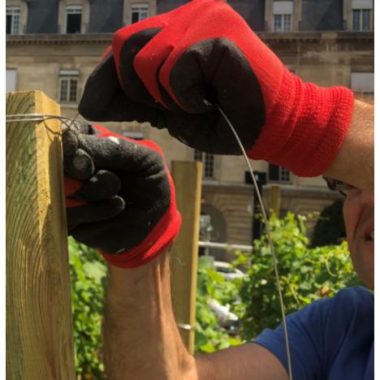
{"points": [[120, 197], [172, 69]]}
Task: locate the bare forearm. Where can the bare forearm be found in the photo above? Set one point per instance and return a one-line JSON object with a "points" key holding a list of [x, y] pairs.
{"points": [[354, 163], [141, 339]]}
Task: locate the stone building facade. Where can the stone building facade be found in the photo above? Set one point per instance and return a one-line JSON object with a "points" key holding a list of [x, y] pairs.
{"points": [[53, 45]]}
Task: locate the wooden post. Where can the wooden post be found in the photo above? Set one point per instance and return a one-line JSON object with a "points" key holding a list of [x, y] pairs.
{"points": [[275, 199], [184, 257], [38, 316]]}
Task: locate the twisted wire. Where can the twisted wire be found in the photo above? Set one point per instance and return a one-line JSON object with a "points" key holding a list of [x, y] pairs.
{"points": [[67, 122]]}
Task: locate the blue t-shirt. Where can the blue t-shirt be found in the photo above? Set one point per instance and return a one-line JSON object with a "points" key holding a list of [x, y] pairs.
{"points": [[330, 339]]}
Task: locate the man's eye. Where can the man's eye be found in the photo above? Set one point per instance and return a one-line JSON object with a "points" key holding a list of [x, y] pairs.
{"points": [[340, 186]]}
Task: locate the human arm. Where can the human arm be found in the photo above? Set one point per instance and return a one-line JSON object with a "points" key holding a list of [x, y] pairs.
{"points": [[354, 163], [141, 338]]}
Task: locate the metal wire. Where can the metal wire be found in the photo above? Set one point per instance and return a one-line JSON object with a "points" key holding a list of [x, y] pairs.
{"points": [[271, 246], [67, 122]]}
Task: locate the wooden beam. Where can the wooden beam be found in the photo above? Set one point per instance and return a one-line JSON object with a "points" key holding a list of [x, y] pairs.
{"points": [[275, 199], [38, 316], [184, 256]]}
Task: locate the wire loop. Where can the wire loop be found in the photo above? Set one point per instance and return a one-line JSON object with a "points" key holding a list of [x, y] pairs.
{"points": [[67, 122]]}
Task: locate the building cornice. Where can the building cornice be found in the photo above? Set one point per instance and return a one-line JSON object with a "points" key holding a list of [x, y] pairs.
{"points": [[105, 38], [317, 36], [59, 39]]}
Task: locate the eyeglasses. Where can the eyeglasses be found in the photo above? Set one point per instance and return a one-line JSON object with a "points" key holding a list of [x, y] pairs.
{"points": [[340, 186]]}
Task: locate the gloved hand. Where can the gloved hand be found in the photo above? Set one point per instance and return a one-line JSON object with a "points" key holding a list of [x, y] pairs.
{"points": [[120, 197], [172, 69]]}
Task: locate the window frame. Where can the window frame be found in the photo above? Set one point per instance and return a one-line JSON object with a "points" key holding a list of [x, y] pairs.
{"points": [[208, 162], [9, 77], [73, 10], [369, 13], [15, 13], [358, 19], [284, 27], [68, 77], [284, 176], [139, 8]]}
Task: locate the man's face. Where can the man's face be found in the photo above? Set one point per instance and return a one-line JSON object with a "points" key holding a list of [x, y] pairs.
{"points": [[358, 211]]}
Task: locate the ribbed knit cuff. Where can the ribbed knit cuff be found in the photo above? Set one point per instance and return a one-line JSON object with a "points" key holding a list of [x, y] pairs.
{"points": [[306, 127], [160, 238]]}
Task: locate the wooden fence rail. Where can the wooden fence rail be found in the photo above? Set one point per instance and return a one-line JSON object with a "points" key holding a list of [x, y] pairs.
{"points": [[38, 315], [184, 257]]}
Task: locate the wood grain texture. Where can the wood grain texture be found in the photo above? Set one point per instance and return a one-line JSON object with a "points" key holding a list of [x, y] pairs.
{"points": [[275, 199], [184, 256], [39, 320]]}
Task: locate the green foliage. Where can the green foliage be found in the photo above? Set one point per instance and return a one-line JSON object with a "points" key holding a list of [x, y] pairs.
{"points": [[329, 228], [87, 272], [209, 335], [306, 274]]}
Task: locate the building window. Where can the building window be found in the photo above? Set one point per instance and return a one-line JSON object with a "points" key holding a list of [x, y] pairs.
{"points": [[282, 16], [278, 174], [362, 20], [11, 80], [362, 15], [139, 12], [366, 20], [208, 163], [73, 19], [356, 20], [362, 82], [68, 86], [13, 20], [282, 23]]}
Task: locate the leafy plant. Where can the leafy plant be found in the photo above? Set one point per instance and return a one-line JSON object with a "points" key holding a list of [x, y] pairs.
{"points": [[87, 272], [209, 335], [306, 274]]}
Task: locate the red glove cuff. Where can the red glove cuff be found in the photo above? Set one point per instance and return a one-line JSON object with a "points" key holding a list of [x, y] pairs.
{"points": [[306, 127]]}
